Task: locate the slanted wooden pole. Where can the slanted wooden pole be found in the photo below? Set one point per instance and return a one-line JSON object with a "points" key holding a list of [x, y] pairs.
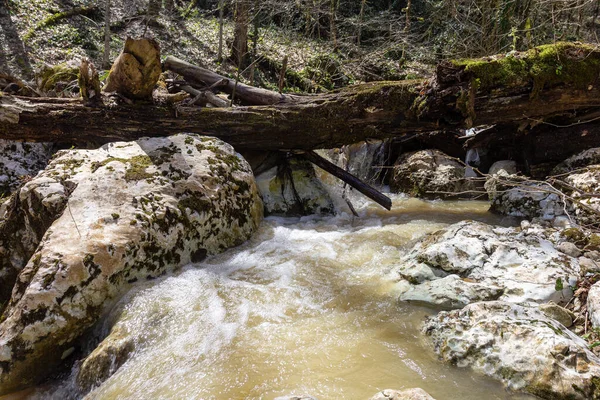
{"points": [[350, 179]]}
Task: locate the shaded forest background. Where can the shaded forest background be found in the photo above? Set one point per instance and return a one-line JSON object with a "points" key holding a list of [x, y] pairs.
{"points": [[319, 44]]}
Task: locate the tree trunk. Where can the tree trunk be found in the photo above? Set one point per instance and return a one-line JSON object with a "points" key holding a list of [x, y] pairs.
{"points": [[106, 56], [221, 12], [154, 7], [239, 48], [461, 95]]}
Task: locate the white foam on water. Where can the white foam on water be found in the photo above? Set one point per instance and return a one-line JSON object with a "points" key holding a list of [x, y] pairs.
{"points": [[302, 307]]}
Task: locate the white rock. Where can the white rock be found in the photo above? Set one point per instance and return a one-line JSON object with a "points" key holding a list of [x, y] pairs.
{"points": [[135, 211], [19, 160], [529, 200], [593, 304], [450, 292], [583, 159], [425, 172], [503, 168], [406, 394], [494, 263], [518, 345]]}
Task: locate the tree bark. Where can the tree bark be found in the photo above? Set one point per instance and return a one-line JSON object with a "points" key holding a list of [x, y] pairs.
{"points": [[376, 110], [106, 56], [247, 94], [239, 48]]}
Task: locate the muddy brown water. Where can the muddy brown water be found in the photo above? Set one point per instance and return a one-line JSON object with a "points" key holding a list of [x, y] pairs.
{"points": [[305, 307]]}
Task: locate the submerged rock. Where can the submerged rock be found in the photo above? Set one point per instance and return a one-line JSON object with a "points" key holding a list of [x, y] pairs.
{"points": [[20, 161], [106, 359], [472, 261], [431, 173], [293, 189], [518, 345], [406, 394], [118, 214]]}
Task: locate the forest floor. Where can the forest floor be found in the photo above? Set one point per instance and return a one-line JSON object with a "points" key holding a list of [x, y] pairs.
{"points": [[31, 36]]}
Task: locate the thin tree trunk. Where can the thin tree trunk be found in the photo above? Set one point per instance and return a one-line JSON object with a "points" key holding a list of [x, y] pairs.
{"points": [[239, 49], [360, 21], [106, 57], [407, 25], [332, 27], [221, 11], [282, 73]]}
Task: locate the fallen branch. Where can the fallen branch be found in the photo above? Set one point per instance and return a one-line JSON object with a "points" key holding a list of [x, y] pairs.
{"points": [[350, 179]]}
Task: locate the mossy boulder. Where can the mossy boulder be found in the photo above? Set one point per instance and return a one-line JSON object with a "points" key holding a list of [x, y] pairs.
{"points": [[126, 212], [56, 77], [293, 189], [136, 71], [432, 174]]}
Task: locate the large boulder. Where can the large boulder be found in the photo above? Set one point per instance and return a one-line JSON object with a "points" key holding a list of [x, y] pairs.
{"points": [[293, 189], [20, 161], [472, 261], [518, 345], [580, 160], [503, 168], [431, 173], [115, 215]]}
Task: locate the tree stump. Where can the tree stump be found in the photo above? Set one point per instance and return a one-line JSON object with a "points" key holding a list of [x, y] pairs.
{"points": [[137, 69]]}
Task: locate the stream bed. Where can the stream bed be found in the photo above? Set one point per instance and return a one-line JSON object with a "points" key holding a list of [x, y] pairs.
{"points": [[305, 307]]}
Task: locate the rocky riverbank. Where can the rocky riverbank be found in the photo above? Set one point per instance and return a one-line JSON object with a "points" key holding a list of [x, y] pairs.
{"points": [[73, 238], [519, 304]]}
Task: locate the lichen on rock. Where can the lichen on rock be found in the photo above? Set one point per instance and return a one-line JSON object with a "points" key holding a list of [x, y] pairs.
{"points": [[472, 261], [518, 345], [431, 174], [293, 189], [128, 211]]}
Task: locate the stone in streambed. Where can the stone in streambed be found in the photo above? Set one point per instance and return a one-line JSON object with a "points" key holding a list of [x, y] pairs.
{"points": [[518, 345], [472, 261], [406, 394], [121, 213]]}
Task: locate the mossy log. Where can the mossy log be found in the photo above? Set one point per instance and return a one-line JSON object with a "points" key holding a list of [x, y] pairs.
{"points": [[464, 94]]}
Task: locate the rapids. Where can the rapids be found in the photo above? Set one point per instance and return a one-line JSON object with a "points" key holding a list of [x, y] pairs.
{"points": [[306, 306]]}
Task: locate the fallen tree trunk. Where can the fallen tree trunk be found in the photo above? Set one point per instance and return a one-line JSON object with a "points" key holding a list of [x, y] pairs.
{"points": [[247, 94], [465, 94]]}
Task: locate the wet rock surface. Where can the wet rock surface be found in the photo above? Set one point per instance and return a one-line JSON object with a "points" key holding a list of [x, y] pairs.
{"points": [[431, 174], [128, 211], [472, 261], [518, 345], [406, 394], [20, 161], [293, 189]]}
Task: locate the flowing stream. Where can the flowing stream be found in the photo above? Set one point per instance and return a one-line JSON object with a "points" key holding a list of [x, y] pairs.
{"points": [[305, 307]]}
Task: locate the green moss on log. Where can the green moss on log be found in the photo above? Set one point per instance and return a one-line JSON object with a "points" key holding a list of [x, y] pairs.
{"points": [[544, 66]]}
